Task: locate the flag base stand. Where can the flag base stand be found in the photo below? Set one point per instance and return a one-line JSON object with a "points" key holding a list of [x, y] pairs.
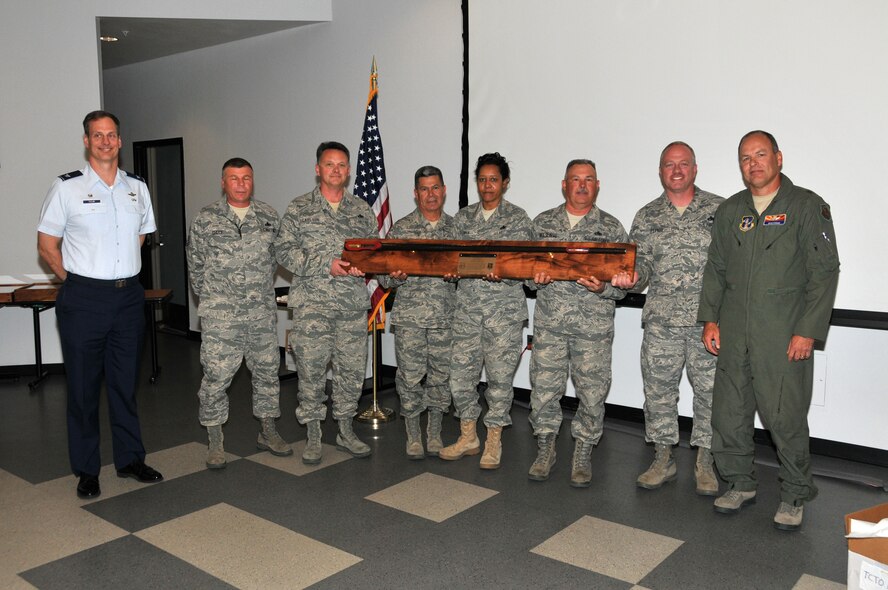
{"points": [[375, 414]]}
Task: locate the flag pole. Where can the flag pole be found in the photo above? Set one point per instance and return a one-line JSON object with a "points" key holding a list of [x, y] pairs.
{"points": [[375, 414]]}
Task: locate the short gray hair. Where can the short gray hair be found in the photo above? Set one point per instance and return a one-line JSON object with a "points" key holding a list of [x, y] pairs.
{"points": [[580, 162], [426, 172]]}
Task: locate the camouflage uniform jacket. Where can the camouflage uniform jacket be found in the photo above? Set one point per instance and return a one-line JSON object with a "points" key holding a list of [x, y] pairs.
{"points": [[311, 236], [421, 302], [231, 262], [508, 222], [565, 306], [671, 256]]}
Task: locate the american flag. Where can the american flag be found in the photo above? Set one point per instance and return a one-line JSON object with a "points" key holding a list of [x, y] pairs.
{"points": [[370, 183]]}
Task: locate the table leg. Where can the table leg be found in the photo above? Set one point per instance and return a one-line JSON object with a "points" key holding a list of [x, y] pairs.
{"points": [[38, 352], [152, 326]]}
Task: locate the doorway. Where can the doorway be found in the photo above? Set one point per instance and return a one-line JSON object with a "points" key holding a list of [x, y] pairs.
{"points": [[161, 163]]}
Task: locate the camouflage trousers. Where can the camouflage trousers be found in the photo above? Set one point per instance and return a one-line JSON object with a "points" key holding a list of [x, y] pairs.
{"points": [[321, 337], [224, 345], [422, 352], [665, 351], [587, 359], [494, 342]]}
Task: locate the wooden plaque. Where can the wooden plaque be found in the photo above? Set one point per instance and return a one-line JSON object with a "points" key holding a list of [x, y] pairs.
{"points": [[563, 261]]}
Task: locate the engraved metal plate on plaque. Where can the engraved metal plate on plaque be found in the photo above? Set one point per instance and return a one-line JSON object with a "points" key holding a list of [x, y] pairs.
{"points": [[475, 264]]}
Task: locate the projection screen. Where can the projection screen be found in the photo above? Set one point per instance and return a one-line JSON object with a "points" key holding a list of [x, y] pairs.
{"points": [[617, 81]]}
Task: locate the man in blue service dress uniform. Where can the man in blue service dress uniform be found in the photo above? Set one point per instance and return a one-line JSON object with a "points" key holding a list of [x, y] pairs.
{"points": [[91, 229], [768, 292]]}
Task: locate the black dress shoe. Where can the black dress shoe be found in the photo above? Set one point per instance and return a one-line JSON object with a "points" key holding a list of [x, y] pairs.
{"points": [[88, 486], [138, 470]]}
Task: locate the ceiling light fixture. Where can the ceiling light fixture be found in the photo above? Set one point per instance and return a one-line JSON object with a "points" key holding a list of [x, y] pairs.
{"points": [[108, 39]]}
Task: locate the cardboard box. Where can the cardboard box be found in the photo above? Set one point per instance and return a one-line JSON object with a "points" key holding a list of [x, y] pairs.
{"points": [[867, 558]]}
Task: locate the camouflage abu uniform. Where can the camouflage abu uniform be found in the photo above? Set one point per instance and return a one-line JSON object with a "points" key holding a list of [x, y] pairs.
{"points": [[421, 318], [488, 321], [329, 313], [670, 260], [573, 332], [231, 264]]}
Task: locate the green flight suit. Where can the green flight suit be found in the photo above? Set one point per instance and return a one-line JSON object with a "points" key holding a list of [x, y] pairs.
{"points": [[768, 277]]}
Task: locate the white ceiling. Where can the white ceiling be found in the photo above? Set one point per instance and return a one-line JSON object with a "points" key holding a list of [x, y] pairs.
{"points": [[141, 39]]}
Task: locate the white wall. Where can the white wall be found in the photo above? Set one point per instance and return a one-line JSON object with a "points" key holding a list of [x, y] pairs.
{"points": [[273, 99], [617, 81], [51, 79], [48, 86]]}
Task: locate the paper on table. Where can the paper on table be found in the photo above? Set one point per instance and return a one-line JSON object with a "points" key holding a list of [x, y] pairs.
{"points": [[8, 280], [41, 278]]}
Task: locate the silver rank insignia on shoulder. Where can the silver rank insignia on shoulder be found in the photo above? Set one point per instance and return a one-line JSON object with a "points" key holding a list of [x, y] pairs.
{"points": [[747, 222]]}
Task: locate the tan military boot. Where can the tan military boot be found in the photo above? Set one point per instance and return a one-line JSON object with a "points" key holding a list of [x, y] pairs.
{"points": [[434, 444], [661, 470], [311, 454], [493, 448], [215, 452], [347, 441], [269, 439], [789, 517], [467, 443], [414, 439], [581, 468], [732, 501], [545, 458], [704, 475]]}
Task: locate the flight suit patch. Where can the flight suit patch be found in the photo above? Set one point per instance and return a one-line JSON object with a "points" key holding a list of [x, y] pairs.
{"points": [[779, 219], [824, 211], [747, 222]]}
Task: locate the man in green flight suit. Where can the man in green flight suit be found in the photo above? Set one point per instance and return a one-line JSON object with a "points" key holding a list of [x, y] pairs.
{"points": [[768, 291]]}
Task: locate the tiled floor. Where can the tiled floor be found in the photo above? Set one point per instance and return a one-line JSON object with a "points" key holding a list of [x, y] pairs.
{"points": [[384, 521]]}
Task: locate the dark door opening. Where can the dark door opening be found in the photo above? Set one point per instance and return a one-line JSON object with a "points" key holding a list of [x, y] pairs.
{"points": [[161, 163]]}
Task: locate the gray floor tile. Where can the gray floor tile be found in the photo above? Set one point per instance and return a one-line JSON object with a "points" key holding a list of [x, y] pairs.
{"points": [[400, 520], [125, 563]]}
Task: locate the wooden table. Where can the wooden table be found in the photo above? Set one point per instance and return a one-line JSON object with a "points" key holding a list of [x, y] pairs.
{"points": [[41, 296]]}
